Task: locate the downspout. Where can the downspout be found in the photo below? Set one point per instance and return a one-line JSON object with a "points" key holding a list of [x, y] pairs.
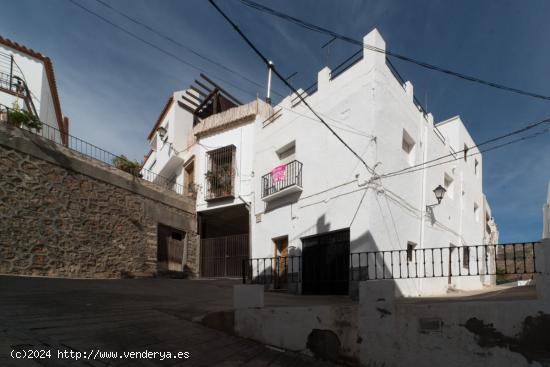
{"points": [[423, 200]]}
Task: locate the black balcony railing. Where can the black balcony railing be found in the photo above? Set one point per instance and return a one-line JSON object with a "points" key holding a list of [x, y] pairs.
{"points": [[279, 271], [90, 151], [290, 175], [220, 174], [506, 262], [12, 81]]}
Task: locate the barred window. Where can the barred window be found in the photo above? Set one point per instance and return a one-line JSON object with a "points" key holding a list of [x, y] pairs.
{"points": [[220, 173]]}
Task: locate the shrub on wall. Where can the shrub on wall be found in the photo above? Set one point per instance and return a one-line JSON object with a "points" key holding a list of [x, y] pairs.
{"points": [[22, 118], [126, 165]]}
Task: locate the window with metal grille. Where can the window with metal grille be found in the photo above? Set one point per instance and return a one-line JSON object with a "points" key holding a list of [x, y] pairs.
{"points": [[220, 173]]}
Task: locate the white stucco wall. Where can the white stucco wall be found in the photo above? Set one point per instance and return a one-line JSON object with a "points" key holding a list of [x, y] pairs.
{"points": [[35, 76], [171, 153], [242, 137], [369, 109], [509, 331]]}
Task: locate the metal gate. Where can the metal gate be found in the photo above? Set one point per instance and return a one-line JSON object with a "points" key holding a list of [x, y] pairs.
{"points": [[222, 257], [325, 263]]}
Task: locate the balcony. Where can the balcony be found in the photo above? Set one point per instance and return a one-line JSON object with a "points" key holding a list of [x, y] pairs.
{"points": [[282, 180], [220, 175]]}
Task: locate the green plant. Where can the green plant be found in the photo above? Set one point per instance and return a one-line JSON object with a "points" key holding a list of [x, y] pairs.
{"points": [[126, 165], [22, 118], [220, 179]]}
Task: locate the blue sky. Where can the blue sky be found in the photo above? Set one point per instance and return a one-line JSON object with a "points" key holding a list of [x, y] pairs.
{"points": [[113, 87]]}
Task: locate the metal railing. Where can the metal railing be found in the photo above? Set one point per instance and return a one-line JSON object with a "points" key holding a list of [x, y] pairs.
{"points": [[277, 270], [504, 261], [292, 176], [220, 174], [89, 150], [13, 81], [454, 261]]}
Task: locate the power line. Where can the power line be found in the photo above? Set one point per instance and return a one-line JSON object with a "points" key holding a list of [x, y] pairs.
{"points": [[282, 78], [133, 35], [492, 140], [423, 64], [527, 137], [177, 43], [253, 95]]}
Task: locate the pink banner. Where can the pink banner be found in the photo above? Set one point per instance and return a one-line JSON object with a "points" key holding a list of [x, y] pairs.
{"points": [[278, 173]]}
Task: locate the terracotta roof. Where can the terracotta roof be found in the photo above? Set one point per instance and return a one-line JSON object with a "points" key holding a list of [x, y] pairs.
{"points": [[161, 117], [49, 74]]}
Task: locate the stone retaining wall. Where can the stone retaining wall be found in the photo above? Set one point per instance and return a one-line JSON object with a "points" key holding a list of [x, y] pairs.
{"points": [[63, 214]]}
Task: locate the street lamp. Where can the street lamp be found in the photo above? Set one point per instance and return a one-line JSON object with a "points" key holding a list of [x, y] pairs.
{"points": [[439, 192], [162, 132]]}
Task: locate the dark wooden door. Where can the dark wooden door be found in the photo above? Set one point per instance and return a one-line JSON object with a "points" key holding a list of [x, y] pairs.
{"points": [[170, 247], [325, 261], [281, 263]]}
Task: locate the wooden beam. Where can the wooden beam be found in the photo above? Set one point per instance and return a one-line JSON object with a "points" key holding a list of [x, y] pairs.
{"points": [[221, 89], [198, 91], [207, 98], [185, 107], [192, 103], [203, 86], [194, 100]]}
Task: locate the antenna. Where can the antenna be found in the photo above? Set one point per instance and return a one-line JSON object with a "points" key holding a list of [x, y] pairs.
{"points": [[268, 97]]}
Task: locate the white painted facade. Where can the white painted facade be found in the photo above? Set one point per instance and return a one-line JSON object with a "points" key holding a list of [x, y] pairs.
{"points": [[180, 145], [373, 112], [376, 115], [33, 71]]}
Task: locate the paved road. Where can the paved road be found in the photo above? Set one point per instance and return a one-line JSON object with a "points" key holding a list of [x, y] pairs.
{"points": [[124, 315]]}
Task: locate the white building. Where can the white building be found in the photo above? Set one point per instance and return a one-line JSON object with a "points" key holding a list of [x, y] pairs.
{"points": [[309, 197], [27, 80], [202, 146]]}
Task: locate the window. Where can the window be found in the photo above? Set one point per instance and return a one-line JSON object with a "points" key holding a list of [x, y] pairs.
{"points": [[465, 153], [220, 174], [476, 167], [466, 257], [287, 153], [152, 165], [448, 183], [408, 145], [410, 251], [476, 212]]}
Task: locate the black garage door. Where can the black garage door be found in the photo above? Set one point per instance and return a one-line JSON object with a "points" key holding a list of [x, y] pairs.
{"points": [[325, 261]]}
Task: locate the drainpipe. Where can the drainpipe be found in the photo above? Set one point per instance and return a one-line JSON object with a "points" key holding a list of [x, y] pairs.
{"points": [[268, 97], [423, 200]]}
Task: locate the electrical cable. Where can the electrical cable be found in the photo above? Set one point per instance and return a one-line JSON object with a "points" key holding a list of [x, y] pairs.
{"points": [[515, 132], [141, 39], [287, 83], [531, 136], [177, 43], [423, 64]]}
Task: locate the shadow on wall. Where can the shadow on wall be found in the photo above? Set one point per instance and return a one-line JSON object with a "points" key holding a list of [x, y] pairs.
{"points": [[286, 200]]}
